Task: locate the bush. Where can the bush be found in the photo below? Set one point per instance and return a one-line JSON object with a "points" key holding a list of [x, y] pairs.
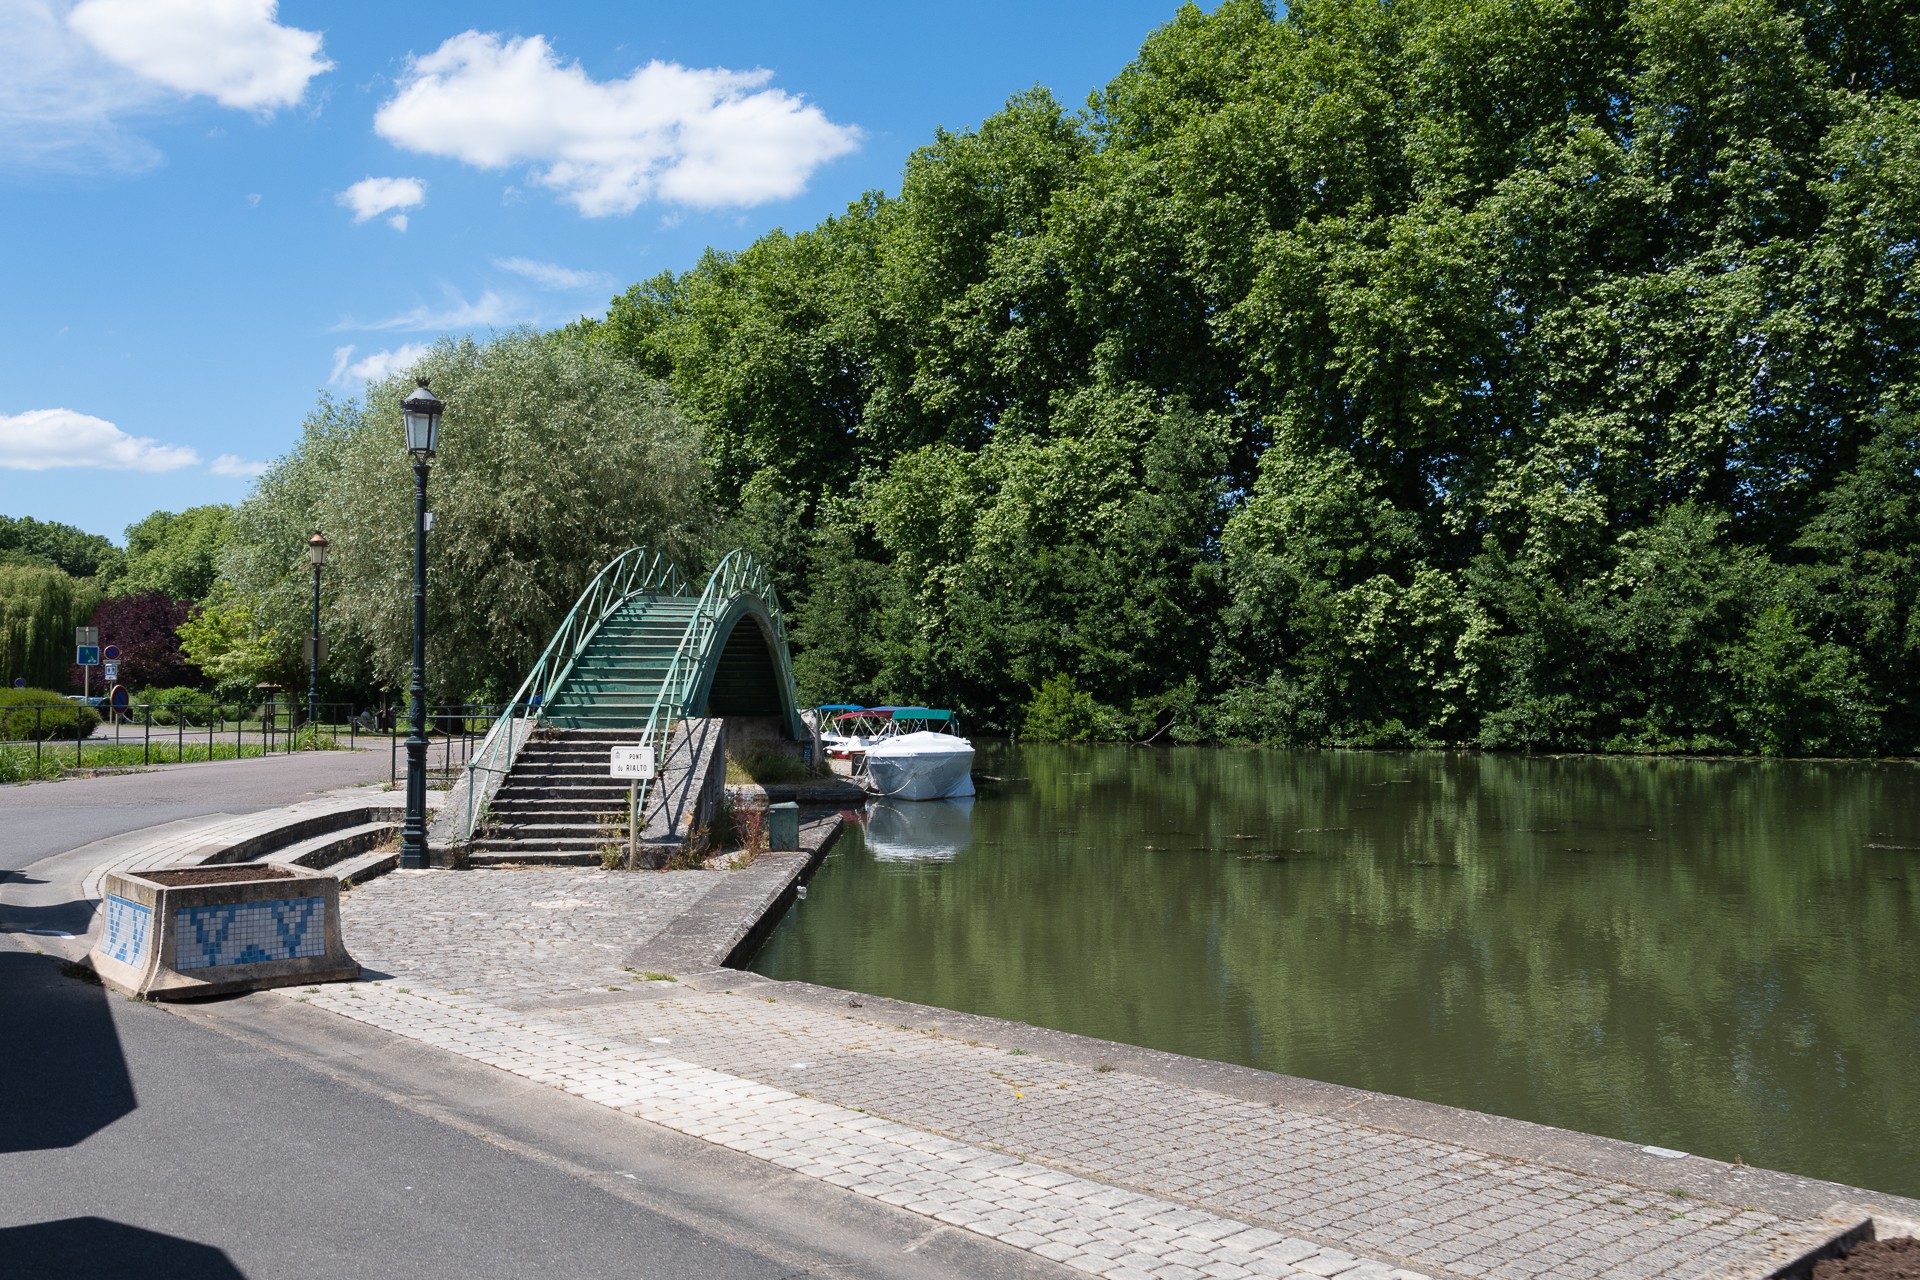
{"points": [[1061, 711], [177, 704], [27, 715]]}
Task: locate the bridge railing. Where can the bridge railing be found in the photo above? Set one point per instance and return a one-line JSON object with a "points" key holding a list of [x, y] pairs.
{"points": [[636, 571], [740, 573]]}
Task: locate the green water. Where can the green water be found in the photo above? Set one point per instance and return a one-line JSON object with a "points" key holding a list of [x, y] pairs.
{"points": [[1717, 956]]}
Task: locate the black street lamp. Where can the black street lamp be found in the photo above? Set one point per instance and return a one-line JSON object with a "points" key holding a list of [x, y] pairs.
{"points": [[316, 552], [421, 410]]}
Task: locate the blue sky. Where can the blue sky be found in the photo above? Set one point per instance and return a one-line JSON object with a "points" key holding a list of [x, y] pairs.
{"points": [[217, 209]]}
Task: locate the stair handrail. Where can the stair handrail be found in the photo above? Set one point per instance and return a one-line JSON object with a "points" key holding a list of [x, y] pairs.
{"points": [[738, 573], [635, 571]]}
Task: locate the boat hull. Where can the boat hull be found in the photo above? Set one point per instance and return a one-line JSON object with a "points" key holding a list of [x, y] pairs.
{"points": [[920, 766]]}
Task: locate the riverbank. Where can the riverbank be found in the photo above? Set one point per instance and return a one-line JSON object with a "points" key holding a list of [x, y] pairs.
{"points": [[610, 986]]}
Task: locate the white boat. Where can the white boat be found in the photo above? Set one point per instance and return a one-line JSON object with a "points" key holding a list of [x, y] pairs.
{"points": [[911, 763], [845, 733], [936, 831], [901, 753]]}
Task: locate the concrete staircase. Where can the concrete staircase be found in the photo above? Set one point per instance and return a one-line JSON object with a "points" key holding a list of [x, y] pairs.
{"points": [[551, 806], [559, 804]]}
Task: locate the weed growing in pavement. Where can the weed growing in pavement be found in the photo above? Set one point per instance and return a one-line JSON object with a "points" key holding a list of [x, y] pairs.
{"points": [[80, 973], [612, 834]]}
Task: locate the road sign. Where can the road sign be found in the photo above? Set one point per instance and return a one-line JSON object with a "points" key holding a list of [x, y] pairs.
{"points": [[86, 635], [631, 762], [119, 698], [19, 682], [111, 653], [86, 655], [112, 672], [307, 648]]}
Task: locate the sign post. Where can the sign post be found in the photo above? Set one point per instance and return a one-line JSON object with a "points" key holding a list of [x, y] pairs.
{"points": [[636, 765], [86, 656]]}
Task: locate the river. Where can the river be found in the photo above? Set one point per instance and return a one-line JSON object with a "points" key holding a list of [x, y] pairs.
{"points": [[1721, 957]]}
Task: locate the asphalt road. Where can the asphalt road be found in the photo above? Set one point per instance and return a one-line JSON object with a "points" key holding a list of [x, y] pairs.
{"points": [[133, 1141], [39, 819]]}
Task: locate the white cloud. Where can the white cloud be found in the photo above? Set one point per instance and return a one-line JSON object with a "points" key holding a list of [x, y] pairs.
{"points": [[553, 276], [374, 367], [229, 50], [703, 137], [489, 310], [60, 103], [42, 439], [232, 464], [371, 197]]}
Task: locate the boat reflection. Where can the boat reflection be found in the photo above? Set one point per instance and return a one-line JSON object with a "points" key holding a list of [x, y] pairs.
{"points": [[920, 830]]}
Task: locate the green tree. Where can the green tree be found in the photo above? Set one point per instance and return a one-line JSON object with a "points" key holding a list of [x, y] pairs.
{"points": [[176, 555], [39, 609], [554, 457]]}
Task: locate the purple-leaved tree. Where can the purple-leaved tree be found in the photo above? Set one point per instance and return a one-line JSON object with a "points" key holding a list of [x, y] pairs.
{"points": [[147, 629]]}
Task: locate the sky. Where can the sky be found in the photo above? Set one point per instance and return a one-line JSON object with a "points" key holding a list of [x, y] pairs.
{"points": [[215, 211]]}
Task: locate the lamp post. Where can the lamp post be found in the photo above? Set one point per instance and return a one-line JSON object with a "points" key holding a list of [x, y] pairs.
{"points": [[421, 411], [316, 552]]}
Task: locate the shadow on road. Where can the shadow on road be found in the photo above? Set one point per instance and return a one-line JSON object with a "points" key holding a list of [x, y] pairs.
{"points": [[67, 1077], [95, 1246]]}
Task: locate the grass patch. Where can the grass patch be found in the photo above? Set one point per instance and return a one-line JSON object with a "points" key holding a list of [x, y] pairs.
{"points": [[765, 767], [23, 764]]}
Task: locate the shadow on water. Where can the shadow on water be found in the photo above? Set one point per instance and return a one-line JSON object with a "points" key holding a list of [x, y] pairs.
{"points": [[97, 1246], [61, 1058]]}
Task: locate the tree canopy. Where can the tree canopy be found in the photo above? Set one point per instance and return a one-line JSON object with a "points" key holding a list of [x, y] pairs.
{"points": [[553, 458], [1530, 373]]}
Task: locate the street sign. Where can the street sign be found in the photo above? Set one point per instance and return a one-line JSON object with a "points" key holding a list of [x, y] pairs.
{"points": [[19, 682], [631, 762], [307, 648], [86, 655], [111, 653], [119, 698], [86, 635], [112, 672]]}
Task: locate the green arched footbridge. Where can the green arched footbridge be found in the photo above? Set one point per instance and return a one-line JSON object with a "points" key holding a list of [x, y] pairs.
{"points": [[642, 651]]}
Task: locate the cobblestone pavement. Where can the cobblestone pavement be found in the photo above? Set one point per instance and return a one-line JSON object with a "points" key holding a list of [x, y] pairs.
{"points": [[514, 935], [1113, 1173]]}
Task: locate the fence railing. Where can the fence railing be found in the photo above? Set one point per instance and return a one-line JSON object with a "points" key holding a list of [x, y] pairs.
{"points": [[40, 740]]}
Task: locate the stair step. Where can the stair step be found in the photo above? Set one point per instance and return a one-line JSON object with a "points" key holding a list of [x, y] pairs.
{"points": [[322, 852]]}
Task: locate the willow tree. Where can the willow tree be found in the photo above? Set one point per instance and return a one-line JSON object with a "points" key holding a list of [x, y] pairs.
{"points": [[553, 458], [39, 609]]}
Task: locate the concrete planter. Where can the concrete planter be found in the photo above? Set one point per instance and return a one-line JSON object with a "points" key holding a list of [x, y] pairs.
{"points": [[202, 931]]}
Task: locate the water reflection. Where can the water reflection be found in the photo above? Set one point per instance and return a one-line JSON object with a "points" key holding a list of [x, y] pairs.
{"points": [[919, 831], [1716, 956]]}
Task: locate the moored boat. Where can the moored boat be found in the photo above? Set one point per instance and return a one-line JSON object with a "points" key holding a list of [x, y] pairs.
{"points": [[921, 756]]}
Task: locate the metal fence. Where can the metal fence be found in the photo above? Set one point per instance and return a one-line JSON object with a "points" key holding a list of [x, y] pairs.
{"points": [[178, 731]]}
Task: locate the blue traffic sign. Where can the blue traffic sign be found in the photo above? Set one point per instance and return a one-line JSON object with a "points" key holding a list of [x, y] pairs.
{"points": [[19, 682], [87, 655], [111, 652]]}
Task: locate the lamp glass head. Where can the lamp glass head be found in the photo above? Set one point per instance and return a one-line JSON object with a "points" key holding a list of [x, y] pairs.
{"points": [[317, 550], [422, 413]]}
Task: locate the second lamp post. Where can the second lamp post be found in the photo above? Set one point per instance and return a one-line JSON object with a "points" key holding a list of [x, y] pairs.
{"points": [[421, 410], [316, 648]]}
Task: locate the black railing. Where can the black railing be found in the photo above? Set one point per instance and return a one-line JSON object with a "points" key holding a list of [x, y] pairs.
{"points": [[40, 740]]}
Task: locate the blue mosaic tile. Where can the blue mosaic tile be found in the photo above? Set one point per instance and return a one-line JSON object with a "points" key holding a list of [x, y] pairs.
{"points": [[249, 933], [129, 928]]}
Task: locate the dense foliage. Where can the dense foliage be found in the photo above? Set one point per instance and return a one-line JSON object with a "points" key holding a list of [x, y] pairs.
{"points": [[553, 458], [40, 607], [24, 540], [1529, 373]]}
